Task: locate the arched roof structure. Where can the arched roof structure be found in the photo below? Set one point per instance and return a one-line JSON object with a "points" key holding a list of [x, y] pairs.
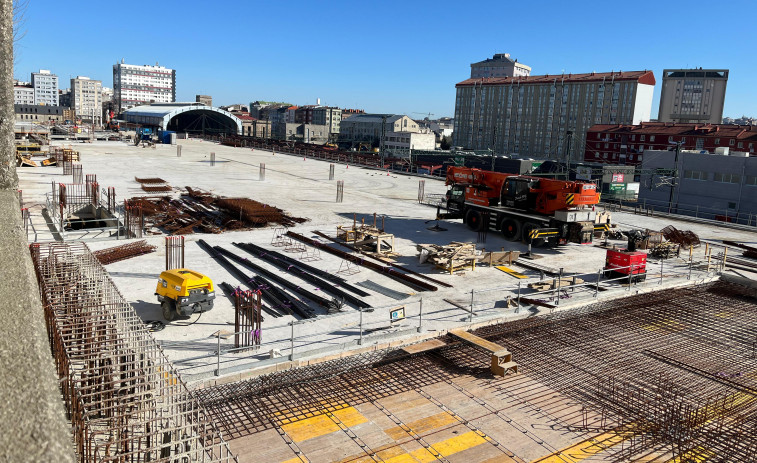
{"points": [[185, 117]]}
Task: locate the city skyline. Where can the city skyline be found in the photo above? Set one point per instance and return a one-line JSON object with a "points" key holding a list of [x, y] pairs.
{"points": [[386, 57]]}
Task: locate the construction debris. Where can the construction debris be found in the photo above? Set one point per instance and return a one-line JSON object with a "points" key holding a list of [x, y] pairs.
{"points": [[450, 258], [123, 252], [665, 250], [554, 283], [686, 238], [201, 212], [368, 239]]}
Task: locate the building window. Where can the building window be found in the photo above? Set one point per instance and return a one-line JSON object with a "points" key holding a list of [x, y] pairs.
{"points": [[695, 175], [633, 137], [751, 180], [651, 138], [727, 178], [731, 142], [741, 144], [717, 141], [642, 137]]}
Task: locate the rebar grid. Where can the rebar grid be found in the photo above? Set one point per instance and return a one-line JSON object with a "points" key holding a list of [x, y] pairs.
{"points": [[124, 398], [677, 369], [125, 251]]}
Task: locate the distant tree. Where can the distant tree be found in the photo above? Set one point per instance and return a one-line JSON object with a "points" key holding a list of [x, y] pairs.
{"points": [[446, 143]]}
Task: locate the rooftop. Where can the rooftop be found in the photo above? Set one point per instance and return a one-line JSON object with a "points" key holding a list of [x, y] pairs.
{"points": [[671, 128], [642, 77]]}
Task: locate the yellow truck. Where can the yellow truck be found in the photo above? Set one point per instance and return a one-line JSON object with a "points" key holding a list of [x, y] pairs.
{"points": [[183, 292]]}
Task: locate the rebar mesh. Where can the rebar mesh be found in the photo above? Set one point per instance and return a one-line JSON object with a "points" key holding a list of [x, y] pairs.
{"points": [[125, 400]]}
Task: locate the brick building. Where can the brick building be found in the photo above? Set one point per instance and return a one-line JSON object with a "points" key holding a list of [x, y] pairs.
{"points": [[626, 144]]}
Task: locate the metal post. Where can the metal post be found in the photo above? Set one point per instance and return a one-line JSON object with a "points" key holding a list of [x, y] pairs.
{"points": [[630, 277], [360, 341], [420, 315], [691, 261], [470, 316], [291, 343], [517, 309], [559, 285], [662, 264], [599, 277], [218, 354]]}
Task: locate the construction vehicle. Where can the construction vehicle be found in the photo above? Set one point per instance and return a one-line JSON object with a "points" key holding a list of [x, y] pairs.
{"points": [[537, 210], [183, 292], [330, 146], [627, 263], [143, 134]]}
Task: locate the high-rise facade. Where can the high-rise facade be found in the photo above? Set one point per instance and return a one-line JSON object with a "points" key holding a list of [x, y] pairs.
{"points": [[547, 116], [500, 65], [693, 95], [45, 86], [86, 98], [137, 85]]}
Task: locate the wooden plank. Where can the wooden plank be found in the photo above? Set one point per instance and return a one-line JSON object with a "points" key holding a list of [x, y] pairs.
{"points": [[510, 272], [480, 342], [425, 346]]}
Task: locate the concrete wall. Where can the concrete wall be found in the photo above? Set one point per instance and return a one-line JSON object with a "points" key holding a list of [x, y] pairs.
{"points": [[710, 184], [33, 426]]}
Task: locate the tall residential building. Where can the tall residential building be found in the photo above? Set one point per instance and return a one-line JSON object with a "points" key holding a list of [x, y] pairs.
{"points": [[137, 85], [500, 65], [86, 98], [547, 116], [45, 88], [693, 95]]}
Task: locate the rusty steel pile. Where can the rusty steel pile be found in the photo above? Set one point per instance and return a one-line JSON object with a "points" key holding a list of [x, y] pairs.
{"points": [[125, 400], [670, 374], [201, 212], [123, 252], [153, 185]]}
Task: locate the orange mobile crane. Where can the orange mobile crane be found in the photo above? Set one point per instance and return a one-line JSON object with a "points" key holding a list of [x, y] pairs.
{"points": [[537, 210]]}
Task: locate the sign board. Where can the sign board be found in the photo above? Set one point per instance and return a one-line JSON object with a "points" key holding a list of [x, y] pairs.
{"points": [[460, 161], [618, 178], [397, 314], [583, 173], [618, 188]]}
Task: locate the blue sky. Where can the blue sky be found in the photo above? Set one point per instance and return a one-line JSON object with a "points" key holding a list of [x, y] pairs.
{"points": [[388, 56]]}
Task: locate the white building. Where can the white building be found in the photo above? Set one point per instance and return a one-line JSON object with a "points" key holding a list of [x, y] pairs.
{"points": [[500, 65], [86, 98], [23, 93], [137, 85], [45, 88], [410, 140]]}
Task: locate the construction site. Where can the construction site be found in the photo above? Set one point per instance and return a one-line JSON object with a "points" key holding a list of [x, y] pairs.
{"points": [[245, 302]]}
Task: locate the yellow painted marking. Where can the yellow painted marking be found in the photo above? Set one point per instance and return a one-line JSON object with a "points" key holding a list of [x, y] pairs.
{"points": [[698, 455], [320, 425], [724, 314], [170, 379], [422, 426], [445, 448], [392, 452], [510, 271], [587, 448], [667, 325], [293, 460]]}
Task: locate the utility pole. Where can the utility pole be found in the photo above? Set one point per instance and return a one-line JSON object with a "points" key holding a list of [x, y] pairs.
{"points": [[569, 139], [674, 182]]}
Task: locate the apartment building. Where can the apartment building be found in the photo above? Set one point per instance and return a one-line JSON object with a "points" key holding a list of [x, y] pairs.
{"points": [[547, 116], [328, 116], [693, 95], [207, 100], [628, 144], [45, 86], [500, 65], [368, 127], [86, 98], [137, 85], [39, 114], [23, 93]]}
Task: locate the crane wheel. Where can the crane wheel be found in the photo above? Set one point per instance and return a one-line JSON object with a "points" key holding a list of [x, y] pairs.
{"points": [[475, 220], [527, 228], [511, 229]]}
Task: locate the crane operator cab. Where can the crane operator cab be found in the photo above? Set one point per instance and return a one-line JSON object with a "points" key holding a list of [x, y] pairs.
{"points": [[516, 192]]}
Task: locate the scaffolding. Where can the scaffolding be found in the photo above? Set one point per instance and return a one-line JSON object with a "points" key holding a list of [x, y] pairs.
{"points": [[125, 400]]}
